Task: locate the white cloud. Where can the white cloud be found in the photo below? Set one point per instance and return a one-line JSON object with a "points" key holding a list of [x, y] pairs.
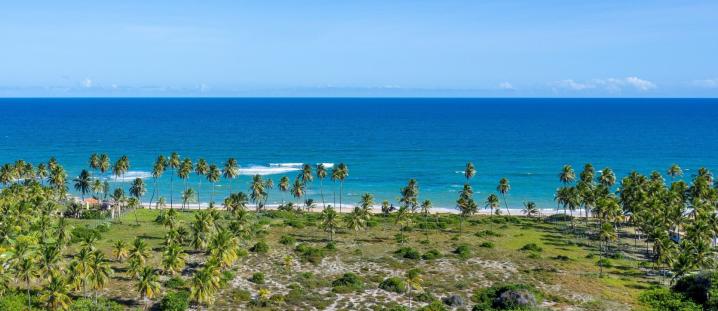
{"points": [[506, 86], [613, 85], [707, 83], [87, 83]]}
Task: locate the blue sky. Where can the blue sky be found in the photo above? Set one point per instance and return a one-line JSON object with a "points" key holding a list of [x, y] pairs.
{"points": [[359, 48]]}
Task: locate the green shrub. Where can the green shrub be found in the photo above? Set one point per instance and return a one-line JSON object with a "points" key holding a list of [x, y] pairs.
{"points": [[287, 240], [331, 246], [604, 262], [13, 301], [175, 282], [486, 298], [348, 282], [261, 247], [81, 233], [487, 244], [393, 284], [436, 305], [257, 278], [463, 251], [175, 301], [408, 252], [532, 247], [558, 217], [87, 304], [431, 255], [662, 299], [701, 288], [308, 253], [562, 258]]}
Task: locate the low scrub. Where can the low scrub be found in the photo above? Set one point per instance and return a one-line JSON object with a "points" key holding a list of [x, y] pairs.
{"points": [[393, 284]]}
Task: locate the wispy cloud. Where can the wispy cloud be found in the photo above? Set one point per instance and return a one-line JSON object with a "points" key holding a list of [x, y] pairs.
{"points": [[87, 83], [506, 86], [611, 84], [707, 83]]}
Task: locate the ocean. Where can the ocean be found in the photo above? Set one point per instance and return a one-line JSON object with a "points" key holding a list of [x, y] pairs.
{"points": [[384, 141]]}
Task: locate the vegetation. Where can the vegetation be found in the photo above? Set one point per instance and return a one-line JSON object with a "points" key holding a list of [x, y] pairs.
{"points": [[636, 242]]}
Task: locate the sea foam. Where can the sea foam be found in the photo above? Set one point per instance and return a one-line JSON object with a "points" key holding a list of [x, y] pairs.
{"points": [[131, 175]]}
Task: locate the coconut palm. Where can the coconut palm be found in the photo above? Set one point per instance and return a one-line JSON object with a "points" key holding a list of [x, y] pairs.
{"points": [[26, 270], [137, 190], [120, 250], [607, 178], [469, 171], [201, 169], [40, 173], [148, 285], [413, 282], [58, 180], [257, 192], [230, 171], [174, 163], [173, 259], [410, 195], [403, 219], [504, 188], [283, 186], [329, 221], [606, 234], [100, 272], [675, 171], [492, 202], [7, 174], [94, 161], [223, 247], [103, 163], [212, 176], [49, 260], [121, 167], [340, 173], [83, 183], [157, 170], [185, 169], [466, 205], [321, 174], [55, 294], [205, 284], [188, 196], [306, 175], [567, 175], [298, 189], [140, 251], [530, 209]]}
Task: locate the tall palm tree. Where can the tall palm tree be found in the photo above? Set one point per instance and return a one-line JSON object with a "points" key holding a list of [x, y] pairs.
{"points": [[137, 190], [55, 294], [504, 188], [283, 186], [403, 219], [173, 162], [469, 171], [329, 221], [306, 175], [230, 171], [187, 197], [530, 208], [410, 195], [58, 180], [256, 191], [675, 171], [201, 169], [40, 173], [148, 285], [607, 178], [567, 175], [340, 173], [413, 282], [101, 272], [492, 202], [185, 170], [121, 167], [49, 260], [204, 285], [26, 270], [94, 162], [321, 174], [298, 189], [103, 163], [157, 170], [82, 183], [212, 176], [466, 205], [425, 210]]}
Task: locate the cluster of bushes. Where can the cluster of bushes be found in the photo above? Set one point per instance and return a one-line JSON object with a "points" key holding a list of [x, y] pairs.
{"points": [[287, 240], [393, 284], [463, 251], [348, 282], [662, 299], [487, 233], [408, 253], [431, 255], [507, 297], [487, 244], [532, 247], [84, 233], [307, 253], [558, 217], [260, 247], [174, 301]]}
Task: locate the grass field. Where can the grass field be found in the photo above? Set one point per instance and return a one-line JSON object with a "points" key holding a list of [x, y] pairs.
{"points": [[562, 265]]}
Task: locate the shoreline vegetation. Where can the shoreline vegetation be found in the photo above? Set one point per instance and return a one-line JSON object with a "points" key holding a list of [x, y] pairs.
{"points": [[610, 243]]}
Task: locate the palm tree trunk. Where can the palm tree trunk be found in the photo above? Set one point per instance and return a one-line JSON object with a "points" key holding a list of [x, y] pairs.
{"points": [[341, 190], [506, 204], [199, 190], [321, 191], [154, 191], [172, 188]]}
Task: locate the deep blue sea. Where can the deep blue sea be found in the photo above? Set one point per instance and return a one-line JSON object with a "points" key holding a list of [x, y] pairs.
{"points": [[384, 142]]}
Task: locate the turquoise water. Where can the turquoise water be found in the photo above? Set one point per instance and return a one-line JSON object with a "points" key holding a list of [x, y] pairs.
{"points": [[383, 141]]}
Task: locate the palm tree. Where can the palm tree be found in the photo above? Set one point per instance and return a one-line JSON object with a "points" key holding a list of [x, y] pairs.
{"points": [[173, 259], [49, 260], [504, 188], [339, 173], [466, 205], [157, 170], [94, 162], [298, 189], [205, 284], [606, 234], [40, 173], [187, 197], [184, 171], [223, 247], [283, 186], [675, 171], [256, 191], [174, 163], [101, 272], [121, 167], [137, 190], [329, 221], [230, 171], [469, 171], [413, 282], [148, 285], [608, 178], [120, 250], [103, 163], [306, 175], [201, 169], [567, 175], [212, 177], [140, 251], [54, 295], [410, 195], [98, 188], [403, 219], [82, 183], [58, 180], [321, 174], [492, 202], [26, 270], [530, 209]]}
